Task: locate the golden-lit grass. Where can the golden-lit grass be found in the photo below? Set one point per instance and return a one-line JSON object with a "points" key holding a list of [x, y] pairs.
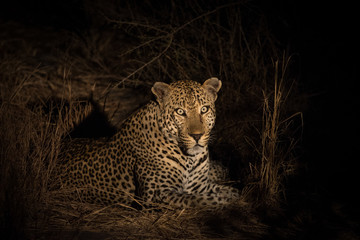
{"points": [[275, 150], [43, 98]]}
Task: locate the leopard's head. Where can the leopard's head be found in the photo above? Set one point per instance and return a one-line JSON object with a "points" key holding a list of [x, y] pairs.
{"points": [[187, 112]]}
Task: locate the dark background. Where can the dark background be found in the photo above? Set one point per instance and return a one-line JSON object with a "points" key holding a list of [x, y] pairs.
{"points": [[323, 37], [323, 40]]}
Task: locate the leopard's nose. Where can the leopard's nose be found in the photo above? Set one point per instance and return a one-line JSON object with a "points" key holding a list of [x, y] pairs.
{"points": [[196, 136]]}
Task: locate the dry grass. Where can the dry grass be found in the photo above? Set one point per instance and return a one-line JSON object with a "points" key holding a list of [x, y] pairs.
{"points": [[275, 149], [45, 92]]}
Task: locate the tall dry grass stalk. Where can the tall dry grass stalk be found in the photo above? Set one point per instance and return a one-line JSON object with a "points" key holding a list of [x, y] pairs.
{"points": [[277, 140]]}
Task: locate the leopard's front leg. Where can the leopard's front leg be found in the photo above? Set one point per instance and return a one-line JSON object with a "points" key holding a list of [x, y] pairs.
{"points": [[218, 196], [223, 191]]}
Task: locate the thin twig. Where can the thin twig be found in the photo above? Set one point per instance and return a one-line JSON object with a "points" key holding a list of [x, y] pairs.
{"points": [[146, 64], [168, 35]]}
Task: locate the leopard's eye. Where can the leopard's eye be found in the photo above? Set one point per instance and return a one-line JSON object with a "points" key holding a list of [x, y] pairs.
{"points": [[204, 109], [180, 111]]}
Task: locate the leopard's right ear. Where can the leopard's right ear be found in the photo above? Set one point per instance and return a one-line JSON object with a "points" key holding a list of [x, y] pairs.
{"points": [[161, 91]]}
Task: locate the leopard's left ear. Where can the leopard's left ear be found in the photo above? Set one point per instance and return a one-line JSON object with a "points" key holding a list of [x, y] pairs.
{"points": [[160, 90], [212, 86]]}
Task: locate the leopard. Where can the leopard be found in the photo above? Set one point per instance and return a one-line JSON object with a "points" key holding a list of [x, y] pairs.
{"points": [[159, 155]]}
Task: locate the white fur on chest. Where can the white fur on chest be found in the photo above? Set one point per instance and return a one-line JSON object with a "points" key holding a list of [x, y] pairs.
{"points": [[192, 171]]}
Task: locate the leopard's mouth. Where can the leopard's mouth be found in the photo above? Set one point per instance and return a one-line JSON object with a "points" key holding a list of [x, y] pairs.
{"points": [[191, 149], [189, 146]]}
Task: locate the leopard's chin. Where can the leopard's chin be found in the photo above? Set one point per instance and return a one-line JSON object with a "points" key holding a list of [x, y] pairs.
{"points": [[196, 150], [191, 147]]}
